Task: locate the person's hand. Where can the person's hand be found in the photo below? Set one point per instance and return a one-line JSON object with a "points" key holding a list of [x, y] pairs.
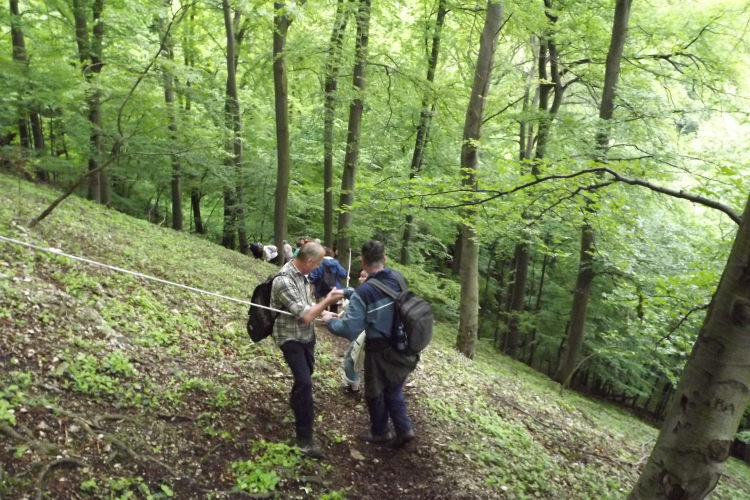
{"points": [[326, 316], [335, 295]]}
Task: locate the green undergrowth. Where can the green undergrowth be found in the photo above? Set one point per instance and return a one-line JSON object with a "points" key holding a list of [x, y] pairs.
{"points": [[74, 335]]}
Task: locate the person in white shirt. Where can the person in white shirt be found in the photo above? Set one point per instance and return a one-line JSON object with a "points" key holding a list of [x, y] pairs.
{"points": [[288, 252], [270, 252]]}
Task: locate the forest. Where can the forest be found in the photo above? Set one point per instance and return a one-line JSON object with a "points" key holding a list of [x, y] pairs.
{"points": [[564, 180]]}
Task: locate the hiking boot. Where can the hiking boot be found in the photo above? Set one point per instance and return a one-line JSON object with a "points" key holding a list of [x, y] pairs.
{"points": [[404, 438], [348, 390], [309, 448], [367, 436]]}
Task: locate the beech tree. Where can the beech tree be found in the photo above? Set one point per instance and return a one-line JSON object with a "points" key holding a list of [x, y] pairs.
{"points": [[469, 308], [356, 109], [585, 278]]}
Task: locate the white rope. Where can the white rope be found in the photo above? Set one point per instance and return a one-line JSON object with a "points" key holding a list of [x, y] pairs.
{"points": [[140, 275]]}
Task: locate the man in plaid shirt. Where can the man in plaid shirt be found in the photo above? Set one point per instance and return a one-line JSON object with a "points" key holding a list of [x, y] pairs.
{"points": [[295, 335]]}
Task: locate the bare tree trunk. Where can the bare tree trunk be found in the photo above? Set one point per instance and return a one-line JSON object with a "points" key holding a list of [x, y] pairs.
{"points": [[456, 264], [469, 305], [693, 445], [346, 199], [19, 55], [195, 203], [333, 63], [586, 273], [169, 84], [234, 215], [423, 129], [281, 24], [547, 56]]}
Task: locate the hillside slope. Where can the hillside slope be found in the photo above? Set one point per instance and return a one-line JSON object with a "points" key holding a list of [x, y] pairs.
{"points": [[115, 387]]}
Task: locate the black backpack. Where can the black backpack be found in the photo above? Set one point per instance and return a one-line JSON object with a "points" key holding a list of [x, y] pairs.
{"points": [[328, 280], [413, 312], [260, 321]]}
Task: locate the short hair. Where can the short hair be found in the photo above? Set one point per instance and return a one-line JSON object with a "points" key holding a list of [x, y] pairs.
{"points": [[317, 240], [373, 253], [310, 251], [283, 242], [329, 252]]}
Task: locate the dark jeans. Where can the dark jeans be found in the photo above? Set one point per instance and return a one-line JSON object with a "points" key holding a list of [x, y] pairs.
{"points": [[385, 373], [389, 404], [301, 359]]}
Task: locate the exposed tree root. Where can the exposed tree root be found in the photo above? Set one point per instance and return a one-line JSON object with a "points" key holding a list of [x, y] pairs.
{"points": [[242, 494], [97, 421], [49, 467], [119, 444], [41, 447], [174, 418]]}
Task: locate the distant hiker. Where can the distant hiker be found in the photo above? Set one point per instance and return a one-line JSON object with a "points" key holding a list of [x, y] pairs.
{"points": [[300, 243], [295, 336], [257, 250], [327, 277], [354, 357], [288, 252], [270, 252], [386, 369]]}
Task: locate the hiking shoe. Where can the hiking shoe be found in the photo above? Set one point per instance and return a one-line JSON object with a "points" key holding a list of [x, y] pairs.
{"points": [[348, 390], [309, 448], [367, 436], [404, 438]]}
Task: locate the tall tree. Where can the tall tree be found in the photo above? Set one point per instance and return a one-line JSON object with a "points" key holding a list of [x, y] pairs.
{"points": [[169, 85], [693, 445], [90, 56], [549, 82], [333, 62], [19, 55], [423, 128], [346, 199], [586, 273], [281, 22], [469, 279], [234, 214]]}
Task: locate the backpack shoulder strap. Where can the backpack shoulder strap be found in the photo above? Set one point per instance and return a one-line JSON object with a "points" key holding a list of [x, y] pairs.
{"points": [[401, 282], [383, 288]]}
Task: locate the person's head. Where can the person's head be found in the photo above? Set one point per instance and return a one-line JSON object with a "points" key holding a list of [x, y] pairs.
{"points": [[373, 256], [309, 257], [362, 276], [300, 242], [329, 252], [317, 240], [284, 242]]}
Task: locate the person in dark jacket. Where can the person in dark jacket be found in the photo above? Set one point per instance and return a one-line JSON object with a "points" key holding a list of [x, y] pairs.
{"points": [[316, 277], [386, 368]]}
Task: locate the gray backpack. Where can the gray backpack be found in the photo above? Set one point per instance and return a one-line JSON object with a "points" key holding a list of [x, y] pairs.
{"points": [[412, 312]]}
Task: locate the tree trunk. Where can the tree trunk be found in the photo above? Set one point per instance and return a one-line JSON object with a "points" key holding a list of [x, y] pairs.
{"points": [[469, 305], [693, 445], [518, 296], [547, 56], [169, 84], [281, 25], [19, 55], [580, 306], [456, 264], [346, 199], [585, 278], [423, 129], [195, 202], [333, 63], [234, 215]]}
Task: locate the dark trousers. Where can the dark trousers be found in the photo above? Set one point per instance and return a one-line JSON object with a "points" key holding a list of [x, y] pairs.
{"points": [[301, 359], [390, 403], [385, 373]]}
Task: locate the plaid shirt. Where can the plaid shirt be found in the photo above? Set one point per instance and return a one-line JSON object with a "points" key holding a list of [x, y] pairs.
{"points": [[291, 292]]}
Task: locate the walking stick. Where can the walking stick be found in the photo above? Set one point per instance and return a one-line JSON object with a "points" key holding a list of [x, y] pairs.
{"points": [[348, 271]]}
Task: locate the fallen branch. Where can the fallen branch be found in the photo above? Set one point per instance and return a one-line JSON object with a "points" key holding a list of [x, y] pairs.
{"points": [[240, 493], [49, 467], [110, 416], [644, 455]]}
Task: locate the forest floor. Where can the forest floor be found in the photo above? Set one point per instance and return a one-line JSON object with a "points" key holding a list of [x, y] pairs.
{"points": [[112, 387]]}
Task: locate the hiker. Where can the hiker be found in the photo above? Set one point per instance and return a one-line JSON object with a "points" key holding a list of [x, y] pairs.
{"points": [[300, 243], [257, 250], [295, 336], [327, 276], [288, 252], [270, 252], [386, 369], [355, 355]]}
